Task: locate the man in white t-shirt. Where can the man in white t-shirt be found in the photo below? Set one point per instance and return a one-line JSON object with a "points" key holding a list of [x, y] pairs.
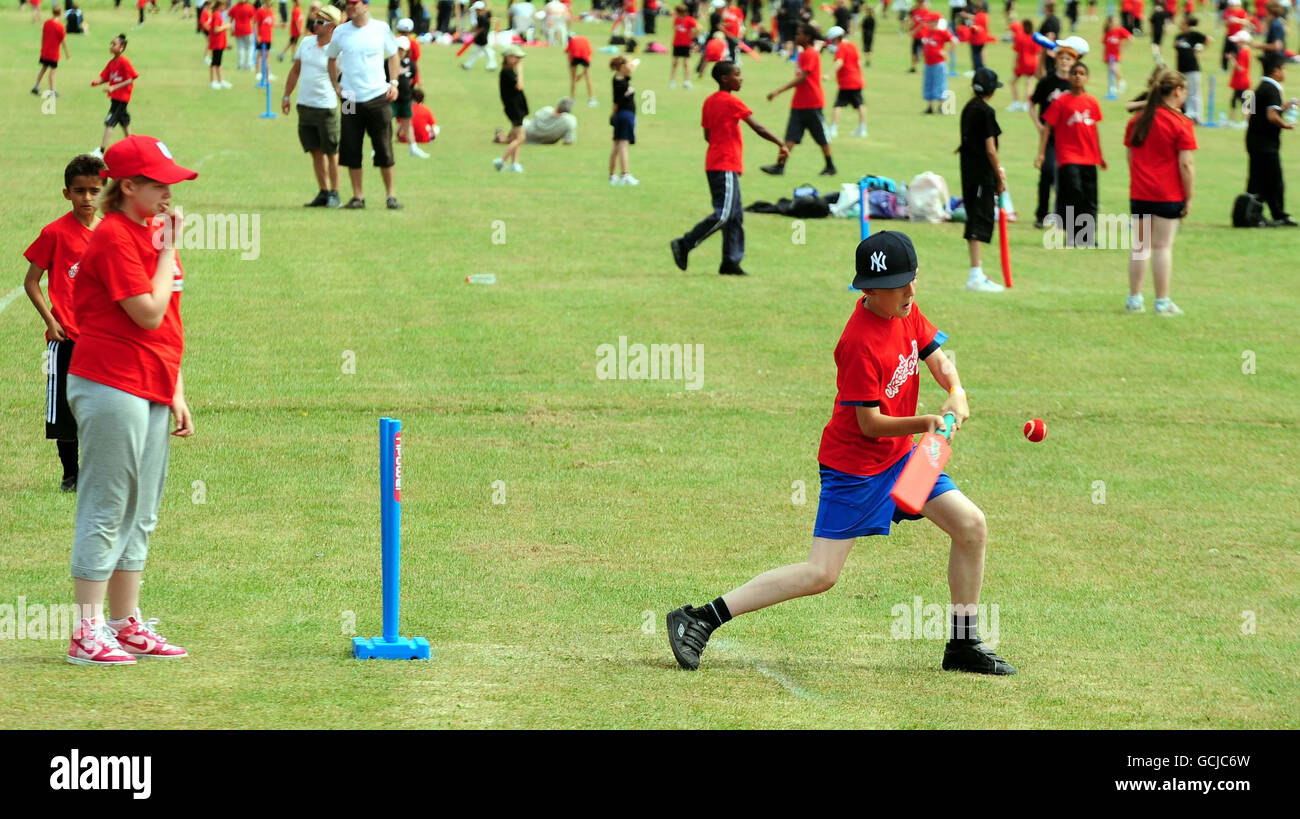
{"points": [[550, 125], [557, 23], [523, 21], [318, 104], [358, 50]]}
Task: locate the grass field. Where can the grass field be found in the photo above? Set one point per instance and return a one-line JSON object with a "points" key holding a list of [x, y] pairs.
{"points": [[625, 499]]}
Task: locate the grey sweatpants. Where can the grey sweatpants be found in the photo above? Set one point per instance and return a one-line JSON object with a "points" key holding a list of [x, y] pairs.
{"points": [[1192, 108], [244, 50], [124, 445]]}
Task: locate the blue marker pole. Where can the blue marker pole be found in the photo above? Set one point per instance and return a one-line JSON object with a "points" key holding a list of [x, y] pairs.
{"points": [[266, 83], [864, 221], [1207, 116]]}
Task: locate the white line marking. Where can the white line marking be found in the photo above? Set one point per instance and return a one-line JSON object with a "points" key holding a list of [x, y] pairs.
{"points": [[9, 298], [729, 646]]}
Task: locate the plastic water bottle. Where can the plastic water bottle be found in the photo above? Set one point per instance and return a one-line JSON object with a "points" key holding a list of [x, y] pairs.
{"points": [[481, 278]]}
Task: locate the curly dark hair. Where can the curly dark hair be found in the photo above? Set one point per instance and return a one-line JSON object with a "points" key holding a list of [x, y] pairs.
{"points": [[83, 165]]}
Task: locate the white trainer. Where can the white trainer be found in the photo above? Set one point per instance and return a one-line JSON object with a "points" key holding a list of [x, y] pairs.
{"points": [[1166, 307], [629, 179], [1134, 304], [983, 285]]}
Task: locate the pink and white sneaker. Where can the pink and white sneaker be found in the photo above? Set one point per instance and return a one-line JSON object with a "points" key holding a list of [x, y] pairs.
{"points": [[139, 639], [94, 643]]}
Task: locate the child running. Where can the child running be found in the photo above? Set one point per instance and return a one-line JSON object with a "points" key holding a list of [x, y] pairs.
{"points": [[863, 450], [53, 35], [118, 79], [57, 251]]}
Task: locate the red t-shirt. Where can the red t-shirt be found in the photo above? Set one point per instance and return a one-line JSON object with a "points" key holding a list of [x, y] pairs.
{"points": [[217, 39], [877, 363], [715, 50], [52, 34], [921, 20], [933, 46], [1026, 52], [113, 350], [119, 69], [1113, 38], [732, 18], [980, 31], [1153, 168], [415, 59], [1074, 119], [721, 117], [579, 48], [849, 75], [265, 24], [295, 23], [682, 28], [242, 14], [808, 94], [422, 122], [1241, 71], [57, 251], [205, 19], [1235, 20]]}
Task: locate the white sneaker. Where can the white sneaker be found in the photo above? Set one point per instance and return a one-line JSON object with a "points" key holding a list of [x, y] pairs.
{"points": [[415, 151], [517, 168], [207, 61], [832, 131], [225, 84], [861, 131], [591, 103], [1166, 307], [672, 83], [983, 285], [215, 86], [498, 163], [1133, 304], [686, 83], [629, 179], [615, 180], [1123, 85]]}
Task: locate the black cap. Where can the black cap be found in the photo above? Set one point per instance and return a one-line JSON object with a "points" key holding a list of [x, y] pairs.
{"points": [[884, 260], [985, 80]]}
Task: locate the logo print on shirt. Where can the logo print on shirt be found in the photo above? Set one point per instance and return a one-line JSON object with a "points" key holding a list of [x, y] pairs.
{"points": [[905, 370], [72, 271], [1084, 117], [878, 261]]}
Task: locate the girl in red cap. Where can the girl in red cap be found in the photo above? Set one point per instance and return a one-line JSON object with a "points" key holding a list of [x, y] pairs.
{"points": [[123, 383]]}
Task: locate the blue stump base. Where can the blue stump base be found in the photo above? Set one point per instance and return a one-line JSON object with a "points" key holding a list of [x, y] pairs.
{"points": [[401, 648]]}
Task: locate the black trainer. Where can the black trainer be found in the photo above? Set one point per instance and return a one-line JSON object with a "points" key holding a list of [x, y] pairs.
{"points": [[829, 170], [679, 253], [731, 270], [975, 657], [332, 201], [355, 204], [774, 170], [69, 484], [687, 635], [319, 202], [393, 204]]}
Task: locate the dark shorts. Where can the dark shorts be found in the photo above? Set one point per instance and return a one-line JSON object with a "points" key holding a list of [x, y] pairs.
{"points": [[852, 97], [852, 506], [117, 114], [625, 126], [216, 57], [979, 200], [49, 63], [681, 51], [263, 46], [318, 129], [805, 119], [583, 61], [1165, 210], [516, 110], [373, 117], [59, 423], [402, 108], [916, 48]]}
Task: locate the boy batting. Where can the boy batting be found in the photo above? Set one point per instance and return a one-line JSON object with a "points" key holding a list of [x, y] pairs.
{"points": [[863, 449]]}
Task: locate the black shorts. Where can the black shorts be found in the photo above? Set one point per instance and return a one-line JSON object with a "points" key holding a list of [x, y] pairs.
{"points": [[117, 114], [216, 56], [805, 119], [979, 200], [852, 97], [916, 48], [59, 423], [583, 61], [516, 109], [681, 51], [1165, 210], [624, 123], [373, 117], [49, 63]]}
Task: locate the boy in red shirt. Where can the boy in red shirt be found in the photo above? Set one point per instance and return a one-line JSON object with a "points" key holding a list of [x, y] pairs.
{"points": [[685, 27], [57, 250], [848, 76], [863, 449], [1114, 39], [423, 125], [265, 20], [295, 31], [806, 107], [53, 35], [579, 51], [715, 51], [1071, 120], [721, 116], [241, 15], [118, 79], [934, 45], [1240, 81]]}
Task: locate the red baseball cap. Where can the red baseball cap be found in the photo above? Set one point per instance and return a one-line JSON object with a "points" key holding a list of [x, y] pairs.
{"points": [[145, 156]]}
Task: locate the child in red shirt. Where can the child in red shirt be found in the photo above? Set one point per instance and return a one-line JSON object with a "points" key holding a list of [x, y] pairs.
{"points": [[863, 449], [579, 51], [53, 35], [848, 76], [124, 384], [295, 31], [57, 250], [934, 46], [218, 41], [1114, 40], [423, 126], [1027, 51], [724, 162], [118, 79], [685, 27], [806, 107], [265, 20], [1240, 80], [1072, 121]]}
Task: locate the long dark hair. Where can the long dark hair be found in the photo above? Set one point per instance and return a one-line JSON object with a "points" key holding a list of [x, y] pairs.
{"points": [[1162, 85]]}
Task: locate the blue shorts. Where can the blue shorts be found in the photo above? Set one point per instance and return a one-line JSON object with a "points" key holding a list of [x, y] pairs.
{"points": [[625, 126], [935, 82], [859, 505]]}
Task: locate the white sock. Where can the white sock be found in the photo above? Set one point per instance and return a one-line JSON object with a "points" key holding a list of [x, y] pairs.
{"points": [[977, 274]]}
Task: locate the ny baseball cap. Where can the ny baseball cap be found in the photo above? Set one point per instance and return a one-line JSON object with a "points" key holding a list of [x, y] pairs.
{"points": [[985, 80], [145, 156], [835, 31], [884, 260]]}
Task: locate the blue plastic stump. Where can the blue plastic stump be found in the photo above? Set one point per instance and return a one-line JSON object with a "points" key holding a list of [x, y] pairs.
{"points": [[391, 645]]}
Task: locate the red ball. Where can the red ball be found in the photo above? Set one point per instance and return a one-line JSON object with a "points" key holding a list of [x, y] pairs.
{"points": [[1036, 430]]}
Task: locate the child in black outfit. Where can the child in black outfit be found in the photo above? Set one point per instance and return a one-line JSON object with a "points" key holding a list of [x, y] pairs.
{"points": [[516, 107]]}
